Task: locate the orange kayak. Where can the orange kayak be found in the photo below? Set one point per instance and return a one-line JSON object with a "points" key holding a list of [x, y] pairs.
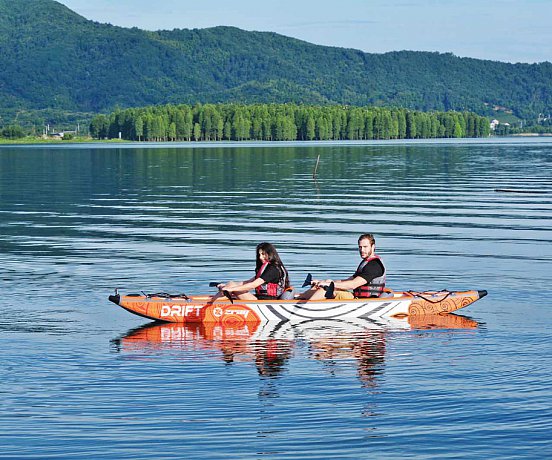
{"points": [[202, 309]]}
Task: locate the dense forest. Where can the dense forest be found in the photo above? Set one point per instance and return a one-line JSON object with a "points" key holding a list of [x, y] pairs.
{"points": [[59, 67], [282, 122]]}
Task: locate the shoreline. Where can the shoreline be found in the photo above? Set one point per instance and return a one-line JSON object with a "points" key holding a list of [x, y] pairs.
{"points": [[532, 135], [89, 140], [110, 143], [40, 140]]}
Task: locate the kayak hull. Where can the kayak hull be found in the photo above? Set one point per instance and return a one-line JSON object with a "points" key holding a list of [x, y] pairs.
{"points": [[202, 309]]}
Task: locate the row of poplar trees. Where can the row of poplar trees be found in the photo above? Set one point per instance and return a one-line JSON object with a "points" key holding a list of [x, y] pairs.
{"points": [[282, 122]]}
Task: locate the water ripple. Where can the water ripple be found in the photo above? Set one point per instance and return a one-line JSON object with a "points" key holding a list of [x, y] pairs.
{"points": [[81, 378]]}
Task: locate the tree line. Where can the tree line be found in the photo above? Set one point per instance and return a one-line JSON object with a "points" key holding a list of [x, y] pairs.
{"points": [[282, 122], [89, 68]]}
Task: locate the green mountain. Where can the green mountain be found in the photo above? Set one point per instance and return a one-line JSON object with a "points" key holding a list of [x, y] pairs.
{"points": [[55, 61]]}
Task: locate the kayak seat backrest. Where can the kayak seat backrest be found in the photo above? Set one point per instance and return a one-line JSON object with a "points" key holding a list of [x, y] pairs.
{"points": [[288, 294]]}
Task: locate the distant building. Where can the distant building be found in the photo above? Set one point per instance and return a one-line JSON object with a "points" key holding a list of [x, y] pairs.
{"points": [[494, 124], [61, 134]]}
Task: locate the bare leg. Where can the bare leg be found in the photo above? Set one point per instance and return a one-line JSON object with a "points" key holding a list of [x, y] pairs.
{"points": [[244, 295], [313, 294]]}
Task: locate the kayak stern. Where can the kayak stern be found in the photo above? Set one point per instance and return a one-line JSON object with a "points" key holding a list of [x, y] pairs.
{"points": [[115, 298]]}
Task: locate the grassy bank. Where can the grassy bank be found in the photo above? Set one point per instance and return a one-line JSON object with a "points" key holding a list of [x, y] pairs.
{"points": [[57, 141]]}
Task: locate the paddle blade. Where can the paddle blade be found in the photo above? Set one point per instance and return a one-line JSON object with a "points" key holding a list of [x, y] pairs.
{"points": [[330, 290], [214, 283], [227, 294], [308, 280]]}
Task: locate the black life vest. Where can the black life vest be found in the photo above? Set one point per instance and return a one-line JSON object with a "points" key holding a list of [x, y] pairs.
{"points": [[375, 287], [271, 289]]}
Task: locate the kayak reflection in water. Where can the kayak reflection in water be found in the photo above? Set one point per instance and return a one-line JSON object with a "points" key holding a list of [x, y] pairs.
{"points": [[271, 356], [367, 281], [270, 281], [368, 349], [270, 347]]}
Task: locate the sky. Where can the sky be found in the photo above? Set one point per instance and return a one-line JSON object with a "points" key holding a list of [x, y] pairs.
{"points": [[504, 30]]}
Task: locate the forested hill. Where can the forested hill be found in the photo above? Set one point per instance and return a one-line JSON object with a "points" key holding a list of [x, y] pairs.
{"points": [[50, 57]]}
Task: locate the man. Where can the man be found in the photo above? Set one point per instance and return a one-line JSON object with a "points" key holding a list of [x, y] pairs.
{"points": [[367, 281]]}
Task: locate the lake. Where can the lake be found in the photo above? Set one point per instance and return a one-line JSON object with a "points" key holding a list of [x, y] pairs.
{"points": [[82, 378]]}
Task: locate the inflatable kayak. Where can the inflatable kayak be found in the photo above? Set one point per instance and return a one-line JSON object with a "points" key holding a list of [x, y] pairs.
{"points": [[202, 309]]}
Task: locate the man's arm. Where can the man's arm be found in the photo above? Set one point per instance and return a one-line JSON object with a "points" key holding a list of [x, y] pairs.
{"points": [[350, 283], [371, 270]]}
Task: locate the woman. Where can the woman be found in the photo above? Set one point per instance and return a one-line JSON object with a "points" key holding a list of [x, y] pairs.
{"points": [[270, 281]]}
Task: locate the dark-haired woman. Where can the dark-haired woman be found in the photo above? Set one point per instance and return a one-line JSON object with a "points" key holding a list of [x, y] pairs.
{"points": [[271, 278]]}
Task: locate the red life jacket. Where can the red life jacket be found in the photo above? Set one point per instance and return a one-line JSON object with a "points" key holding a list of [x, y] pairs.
{"points": [[270, 289], [375, 287]]}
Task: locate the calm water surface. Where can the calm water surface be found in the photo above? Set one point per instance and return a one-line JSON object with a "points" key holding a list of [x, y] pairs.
{"points": [[80, 377]]}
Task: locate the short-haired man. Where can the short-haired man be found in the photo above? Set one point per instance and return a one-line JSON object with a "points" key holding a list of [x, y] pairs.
{"points": [[367, 281]]}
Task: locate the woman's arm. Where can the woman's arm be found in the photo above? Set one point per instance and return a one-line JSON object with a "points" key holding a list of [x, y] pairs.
{"points": [[229, 285], [248, 285]]}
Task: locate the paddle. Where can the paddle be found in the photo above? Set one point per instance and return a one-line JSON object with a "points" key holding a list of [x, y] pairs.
{"points": [[308, 280], [225, 292], [330, 290]]}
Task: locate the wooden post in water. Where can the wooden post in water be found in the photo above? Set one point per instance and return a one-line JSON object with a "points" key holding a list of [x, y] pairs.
{"points": [[316, 167]]}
